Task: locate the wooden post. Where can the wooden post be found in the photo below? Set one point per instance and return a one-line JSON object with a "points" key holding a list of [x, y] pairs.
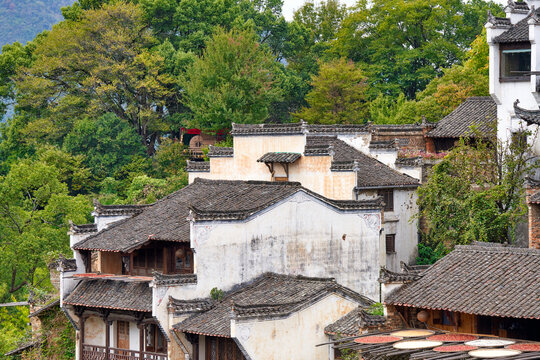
{"points": [[107, 337], [81, 338], [140, 325]]}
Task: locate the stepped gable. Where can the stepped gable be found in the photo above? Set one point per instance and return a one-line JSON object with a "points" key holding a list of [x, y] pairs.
{"points": [[481, 279], [519, 32], [218, 151], [269, 296], [480, 112], [268, 129], [116, 210], [82, 229], [198, 166], [371, 173], [112, 294], [173, 279], [298, 128], [531, 117], [350, 324], [167, 219]]}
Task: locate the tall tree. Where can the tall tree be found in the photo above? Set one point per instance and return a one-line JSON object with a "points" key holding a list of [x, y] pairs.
{"points": [[476, 193], [34, 211], [233, 81], [102, 63], [338, 95], [404, 44]]}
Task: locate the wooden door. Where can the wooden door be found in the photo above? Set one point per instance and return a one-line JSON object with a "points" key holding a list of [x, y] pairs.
{"points": [[122, 335]]}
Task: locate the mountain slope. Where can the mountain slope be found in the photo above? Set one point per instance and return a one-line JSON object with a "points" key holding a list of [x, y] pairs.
{"points": [[22, 20]]}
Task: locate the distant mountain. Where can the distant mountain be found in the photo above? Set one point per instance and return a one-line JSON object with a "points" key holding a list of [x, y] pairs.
{"points": [[22, 20]]}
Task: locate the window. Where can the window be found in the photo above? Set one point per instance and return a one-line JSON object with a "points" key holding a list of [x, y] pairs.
{"points": [[281, 178], [515, 58], [146, 260], [390, 243], [154, 340], [388, 198], [183, 260]]}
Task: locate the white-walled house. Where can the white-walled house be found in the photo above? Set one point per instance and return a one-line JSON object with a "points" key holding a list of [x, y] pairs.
{"points": [[336, 161], [317, 254], [514, 78]]}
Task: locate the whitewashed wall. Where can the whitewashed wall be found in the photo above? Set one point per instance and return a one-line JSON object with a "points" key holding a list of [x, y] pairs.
{"points": [[297, 335], [299, 236]]}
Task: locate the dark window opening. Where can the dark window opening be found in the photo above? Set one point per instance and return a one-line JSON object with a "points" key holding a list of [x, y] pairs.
{"points": [[388, 198], [515, 59], [390, 243], [154, 340], [147, 260], [182, 260]]}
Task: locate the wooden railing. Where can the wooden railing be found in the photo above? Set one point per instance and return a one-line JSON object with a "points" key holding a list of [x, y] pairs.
{"points": [[94, 352]]}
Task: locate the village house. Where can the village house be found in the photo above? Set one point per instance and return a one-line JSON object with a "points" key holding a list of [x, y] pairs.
{"points": [[483, 288], [486, 293], [222, 267], [338, 161], [513, 69]]}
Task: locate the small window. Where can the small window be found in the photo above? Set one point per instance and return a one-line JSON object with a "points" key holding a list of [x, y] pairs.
{"points": [[515, 59], [390, 243], [154, 340], [281, 178], [388, 198]]}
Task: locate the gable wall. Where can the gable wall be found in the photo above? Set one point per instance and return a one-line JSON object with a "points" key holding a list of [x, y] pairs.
{"points": [[297, 335]]}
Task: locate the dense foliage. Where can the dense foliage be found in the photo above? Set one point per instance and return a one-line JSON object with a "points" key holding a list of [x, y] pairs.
{"points": [[97, 103], [476, 193]]}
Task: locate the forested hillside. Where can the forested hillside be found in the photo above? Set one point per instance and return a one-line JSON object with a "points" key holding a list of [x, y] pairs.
{"points": [[22, 19], [101, 99]]}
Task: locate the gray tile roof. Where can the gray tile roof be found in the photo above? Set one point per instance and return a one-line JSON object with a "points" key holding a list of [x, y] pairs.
{"points": [[166, 220], [112, 294], [82, 229], [268, 129], [23, 347], [279, 157], [518, 6], [532, 117], [63, 264], [535, 199], [386, 276], [519, 32], [478, 279], [117, 210], [174, 279], [297, 129], [268, 296], [218, 151], [198, 166], [50, 305], [350, 324], [478, 111], [371, 173]]}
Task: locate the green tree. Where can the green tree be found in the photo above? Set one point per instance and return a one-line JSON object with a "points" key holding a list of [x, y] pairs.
{"points": [[338, 95], [443, 94], [233, 81], [34, 211], [107, 144], [476, 193], [189, 24], [102, 63], [404, 44]]}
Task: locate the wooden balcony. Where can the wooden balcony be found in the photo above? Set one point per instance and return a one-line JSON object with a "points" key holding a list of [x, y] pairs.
{"points": [[93, 352]]}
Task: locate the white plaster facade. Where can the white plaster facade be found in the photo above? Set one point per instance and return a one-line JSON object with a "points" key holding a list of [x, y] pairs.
{"points": [[314, 173], [506, 92]]}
